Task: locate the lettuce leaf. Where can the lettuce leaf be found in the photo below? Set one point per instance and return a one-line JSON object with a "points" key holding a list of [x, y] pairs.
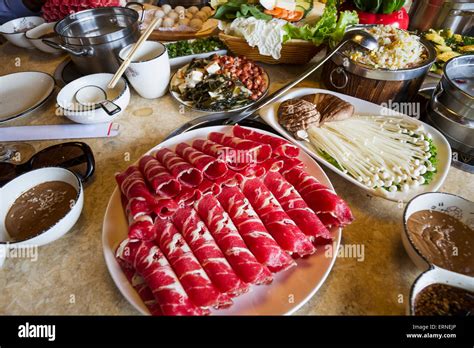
{"points": [[328, 29]]}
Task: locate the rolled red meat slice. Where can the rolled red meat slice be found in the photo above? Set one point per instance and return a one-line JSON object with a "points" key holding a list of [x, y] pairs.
{"points": [[142, 229], [331, 209], [247, 148], [280, 147], [186, 174], [278, 223], [207, 252], [133, 187], [227, 154], [140, 200], [290, 163], [297, 209], [162, 182], [212, 168], [142, 289], [192, 276], [152, 265], [252, 230], [230, 242]]}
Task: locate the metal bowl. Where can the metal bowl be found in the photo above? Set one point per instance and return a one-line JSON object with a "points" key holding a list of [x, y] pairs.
{"points": [[380, 86]]}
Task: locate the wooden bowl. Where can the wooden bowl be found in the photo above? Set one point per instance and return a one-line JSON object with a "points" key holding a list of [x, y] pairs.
{"points": [[292, 52]]}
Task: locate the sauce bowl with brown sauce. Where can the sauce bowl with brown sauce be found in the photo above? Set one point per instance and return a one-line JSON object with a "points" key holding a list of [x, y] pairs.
{"points": [[39, 207], [439, 238]]}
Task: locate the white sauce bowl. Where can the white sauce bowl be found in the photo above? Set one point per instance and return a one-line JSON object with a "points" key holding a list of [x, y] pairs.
{"points": [[15, 188]]}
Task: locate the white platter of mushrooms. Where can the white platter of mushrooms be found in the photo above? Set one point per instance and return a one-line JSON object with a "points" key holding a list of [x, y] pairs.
{"points": [[386, 153]]}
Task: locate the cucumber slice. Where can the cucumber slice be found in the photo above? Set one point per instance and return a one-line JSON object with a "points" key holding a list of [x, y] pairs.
{"points": [[304, 5]]}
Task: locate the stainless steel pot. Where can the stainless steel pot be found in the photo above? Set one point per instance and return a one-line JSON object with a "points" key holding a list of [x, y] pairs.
{"points": [[459, 71], [379, 86], [451, 108], [457, 15], [94, 37]]}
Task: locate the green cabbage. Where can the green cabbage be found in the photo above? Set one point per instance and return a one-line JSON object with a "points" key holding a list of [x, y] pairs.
{"points": [[329, 29]]}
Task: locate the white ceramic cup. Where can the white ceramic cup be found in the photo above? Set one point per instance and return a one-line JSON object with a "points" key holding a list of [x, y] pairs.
{"points": [[12, 190], [149, 72]]}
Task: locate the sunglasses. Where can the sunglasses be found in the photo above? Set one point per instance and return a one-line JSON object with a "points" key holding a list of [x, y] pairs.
{"points": [[75, 156]]}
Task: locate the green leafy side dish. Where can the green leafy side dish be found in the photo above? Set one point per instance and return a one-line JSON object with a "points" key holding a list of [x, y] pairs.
{"points": [[197, 46]]}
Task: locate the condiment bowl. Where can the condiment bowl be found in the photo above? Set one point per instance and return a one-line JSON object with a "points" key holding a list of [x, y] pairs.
{"points": [[10, 30], [72, 109], [438, 275], [450, 204], [11, 191], [35, 37]]}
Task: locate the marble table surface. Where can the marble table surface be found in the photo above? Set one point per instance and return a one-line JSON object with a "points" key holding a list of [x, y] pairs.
{"points": [[70, 275]]}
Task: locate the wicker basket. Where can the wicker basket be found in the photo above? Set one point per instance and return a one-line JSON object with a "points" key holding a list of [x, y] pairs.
{"points": [[292, 52]]}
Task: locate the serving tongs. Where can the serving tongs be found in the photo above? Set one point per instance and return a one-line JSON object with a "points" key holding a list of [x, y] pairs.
{"points": [[360, 37]]}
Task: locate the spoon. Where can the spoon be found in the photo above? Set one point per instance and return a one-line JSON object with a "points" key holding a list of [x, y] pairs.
{"points": [[93, 95], [359, 37]]}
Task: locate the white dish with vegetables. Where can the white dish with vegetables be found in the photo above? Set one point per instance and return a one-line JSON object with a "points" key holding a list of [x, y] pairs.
{"points": [[219, 84], [388, 154]]}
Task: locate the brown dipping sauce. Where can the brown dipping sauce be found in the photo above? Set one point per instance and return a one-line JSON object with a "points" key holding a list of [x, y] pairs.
{"points": [[441, 299], [443, 240], [39, 208]]}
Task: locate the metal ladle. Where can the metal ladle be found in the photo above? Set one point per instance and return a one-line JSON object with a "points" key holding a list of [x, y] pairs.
{"points": [[359, 37], [90, 96]]}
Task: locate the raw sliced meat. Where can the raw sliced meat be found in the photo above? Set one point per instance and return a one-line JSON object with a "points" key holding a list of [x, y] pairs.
{"points": [[186, 174], [331, 209], [279, 146], [142, 289], [140, 200], [162, 182], [212, 168], [278, 223], [134, 188], [225, 153], [290, 163], [152, 265], [296, 208], [252, 230], [207, 252], [230, 242], [142, 229], [187, 196], [192, 276], [256, 151]]}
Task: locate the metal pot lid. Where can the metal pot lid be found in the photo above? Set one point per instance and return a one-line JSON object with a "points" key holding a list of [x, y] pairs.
{"points": [[385, 74], [97, 26]]}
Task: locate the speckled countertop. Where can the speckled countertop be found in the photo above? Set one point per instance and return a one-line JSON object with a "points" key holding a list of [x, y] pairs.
{"points": [[70, 275]]}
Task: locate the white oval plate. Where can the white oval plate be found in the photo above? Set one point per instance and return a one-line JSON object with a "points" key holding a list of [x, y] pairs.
{"points": [[362, 107], [23, 92], [289, 291]]}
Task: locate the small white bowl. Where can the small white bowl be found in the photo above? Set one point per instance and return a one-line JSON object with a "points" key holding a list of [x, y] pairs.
{"points": [[12, 190], [9, 30], [120, 95], [438, 275], [34, 35], [453, 205]]}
